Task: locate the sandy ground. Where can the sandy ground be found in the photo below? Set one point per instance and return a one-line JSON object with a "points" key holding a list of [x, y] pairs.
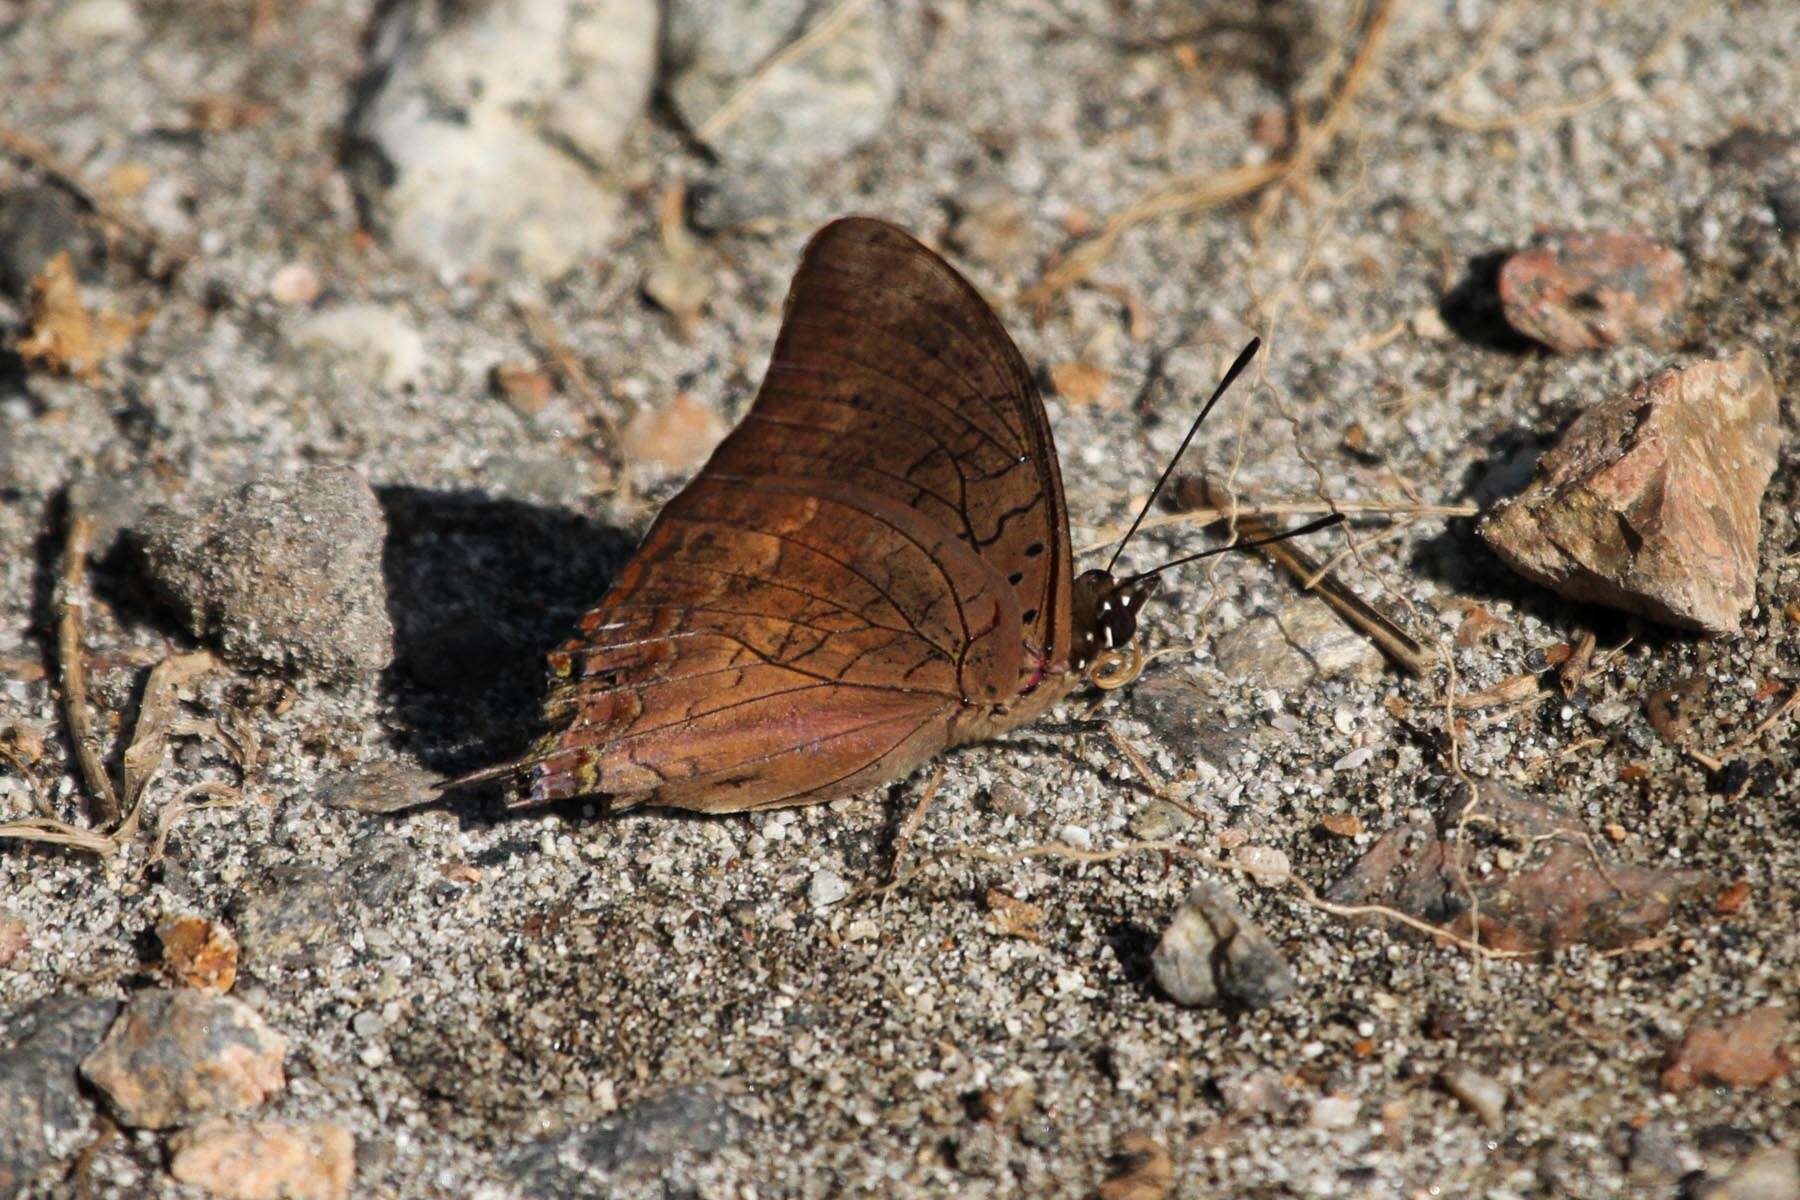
{"points": [[672, 976]]}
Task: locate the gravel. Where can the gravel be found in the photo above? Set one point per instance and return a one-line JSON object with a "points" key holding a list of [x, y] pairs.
{"points": [[547, 980]]}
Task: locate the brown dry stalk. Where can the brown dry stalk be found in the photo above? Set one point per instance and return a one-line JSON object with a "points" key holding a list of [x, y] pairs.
{"points": [[1190, 194], [35, 154], [71, 658], [1207, 514], [1398, 645], [1308, 895], [1558, 110], [828, 27], [914, 819]]}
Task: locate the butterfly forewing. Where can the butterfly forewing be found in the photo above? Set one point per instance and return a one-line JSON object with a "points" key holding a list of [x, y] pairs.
{"points": [[878, 550]]}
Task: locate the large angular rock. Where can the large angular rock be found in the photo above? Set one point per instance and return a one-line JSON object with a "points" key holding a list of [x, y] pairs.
{"points": [[40, 1094], [478, 141], [1649, 502], [178, 1057], [1577, 291], [284, 574]]}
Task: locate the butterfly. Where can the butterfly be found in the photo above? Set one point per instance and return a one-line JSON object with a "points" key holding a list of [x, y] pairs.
{"points": [[874, 566]]}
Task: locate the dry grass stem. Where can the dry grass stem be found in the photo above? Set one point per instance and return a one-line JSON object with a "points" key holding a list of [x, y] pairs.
{"points": [[1061, 850], [1208, 514], [1191, 194], [1558, 110], [70, 602], [914, 819], [39, 157], [828, 27], [158, 717], [209, 794]]}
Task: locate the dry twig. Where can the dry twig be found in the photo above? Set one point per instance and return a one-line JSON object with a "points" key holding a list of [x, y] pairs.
{"points": [[1558, 110], [71, 658], [41, 158], [828, 27], [1061, 850], [1193, 195]]}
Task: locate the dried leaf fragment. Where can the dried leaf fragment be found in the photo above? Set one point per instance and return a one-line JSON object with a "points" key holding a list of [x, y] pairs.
{"points": [[1145, 1171], [1080, 382], [1542, 888], [198, 953], [63, 337], [1013, 917]]}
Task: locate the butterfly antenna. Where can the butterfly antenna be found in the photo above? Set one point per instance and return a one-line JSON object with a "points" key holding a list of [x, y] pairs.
{"points": [[1237, 368], [1284, 535]]}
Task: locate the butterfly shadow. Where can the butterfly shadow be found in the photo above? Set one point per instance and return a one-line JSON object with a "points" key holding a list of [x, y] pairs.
{"points": [[1473, 311], [480, 589]]}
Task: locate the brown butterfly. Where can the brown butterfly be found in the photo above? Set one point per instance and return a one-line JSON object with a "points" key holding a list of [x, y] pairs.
{"points": [[874, 565]]}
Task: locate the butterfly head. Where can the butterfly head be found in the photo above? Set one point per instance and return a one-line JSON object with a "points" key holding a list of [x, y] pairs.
{"points": [[1106, 611]]}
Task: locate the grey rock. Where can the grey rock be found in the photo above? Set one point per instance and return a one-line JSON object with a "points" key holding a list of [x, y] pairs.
{"points": [[1255, 1093], [378, 345], [1302, 642], [92, 22], [813, 108], [1186, 719], [1773, 1174], [652, 1140], [984, 1151], [1480, 1093], [281, 574], [288, 914], [1159, 819], [827, 888], [382, 868], [176, 1057], [1610, 712], [40, 1097], [477, 142], [1654, 1158], [37, 223], [1212, 952]]}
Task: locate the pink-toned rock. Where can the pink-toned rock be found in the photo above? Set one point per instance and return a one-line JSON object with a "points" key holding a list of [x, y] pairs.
{"points": [[13, 938], [265, 1160], [1748, 1050], [177, 1057], [1649, 502], [1588, 291], [678, 435]]}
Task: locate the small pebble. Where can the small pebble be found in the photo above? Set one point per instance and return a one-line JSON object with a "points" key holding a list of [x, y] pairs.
{"points": [[1265, 864], [1211, 951], [826, 889], [1333, 1112], [1480, 1094], [265, 1160], [295, 284]]}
